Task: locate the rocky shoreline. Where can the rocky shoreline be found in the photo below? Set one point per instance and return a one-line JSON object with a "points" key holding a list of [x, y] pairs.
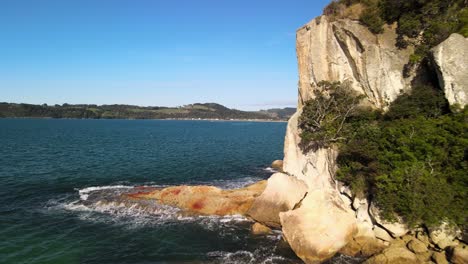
{"points": [[314, 241]]}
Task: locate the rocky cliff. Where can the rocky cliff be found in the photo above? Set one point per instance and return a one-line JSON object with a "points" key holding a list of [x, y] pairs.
{"points": [[345, 50], [320, 217]]}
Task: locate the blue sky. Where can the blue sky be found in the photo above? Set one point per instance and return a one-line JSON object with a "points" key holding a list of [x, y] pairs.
{"points": [[149, 52]]}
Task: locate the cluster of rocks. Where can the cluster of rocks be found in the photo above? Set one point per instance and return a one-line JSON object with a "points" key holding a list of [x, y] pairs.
{"points": [[418, 247]]}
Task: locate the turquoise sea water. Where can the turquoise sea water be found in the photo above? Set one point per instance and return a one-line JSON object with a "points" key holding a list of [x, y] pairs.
{"points": [[47, 166]]}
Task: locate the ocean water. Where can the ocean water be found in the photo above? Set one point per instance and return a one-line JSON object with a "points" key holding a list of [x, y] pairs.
{"points": [[49, 167]]}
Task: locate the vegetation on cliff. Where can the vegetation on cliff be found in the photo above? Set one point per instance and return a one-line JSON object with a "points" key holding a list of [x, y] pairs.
{"points": [[411, 160], [422, 23], [203, 111]]}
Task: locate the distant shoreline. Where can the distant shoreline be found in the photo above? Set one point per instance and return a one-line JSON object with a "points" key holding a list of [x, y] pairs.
{"points": [[161, 119], [197, 111]]}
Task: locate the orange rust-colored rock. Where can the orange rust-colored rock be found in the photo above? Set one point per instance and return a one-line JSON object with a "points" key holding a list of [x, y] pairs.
{"points": [[205, 200]]}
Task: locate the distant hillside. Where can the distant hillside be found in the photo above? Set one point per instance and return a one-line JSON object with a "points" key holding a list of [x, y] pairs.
{"points": [[192, 111], [280, 113]]}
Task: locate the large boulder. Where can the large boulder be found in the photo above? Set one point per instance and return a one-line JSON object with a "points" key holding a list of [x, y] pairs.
{"points": [[205, 200], [417, 246], [395, 229], [382, 234], [459, 255], [444, 235], [319, 227], [451, 60], [439, 258], [281, 194]]}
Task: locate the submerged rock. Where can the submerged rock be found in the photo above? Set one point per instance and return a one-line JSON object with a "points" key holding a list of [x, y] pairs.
{"points": [[277, 165], [259, 229], [205, 200]]}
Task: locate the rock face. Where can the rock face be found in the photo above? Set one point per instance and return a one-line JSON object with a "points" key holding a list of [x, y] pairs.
{"points": [[316, 169], [451, 59], [344, 50], [282, 193], [206, 200], [318, 228]]}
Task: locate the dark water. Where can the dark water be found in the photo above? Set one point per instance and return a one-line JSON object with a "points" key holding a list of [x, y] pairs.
{"points": [[47, 166]]}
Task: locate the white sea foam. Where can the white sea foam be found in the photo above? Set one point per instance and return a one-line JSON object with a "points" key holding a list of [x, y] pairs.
{"points": [[96, 204], [234, 183], [243, 256], [84, 193], [270, 169]]}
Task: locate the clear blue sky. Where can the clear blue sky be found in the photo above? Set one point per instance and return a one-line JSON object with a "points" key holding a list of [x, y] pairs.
{"points": [[238, 53]]}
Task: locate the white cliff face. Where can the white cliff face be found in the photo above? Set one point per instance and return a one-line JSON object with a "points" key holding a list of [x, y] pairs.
{"points": [[344, 50], [451, 59], [316, 169]]}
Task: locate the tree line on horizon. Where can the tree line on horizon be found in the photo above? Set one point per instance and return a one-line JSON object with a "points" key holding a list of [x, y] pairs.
{"points": [[119, 111]]}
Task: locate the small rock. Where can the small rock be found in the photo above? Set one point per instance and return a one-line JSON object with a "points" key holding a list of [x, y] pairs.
{"points": [[363, 246], [439, 258], [381, 233], [423, 238], [417, 246], [459, 255], [396, 229], [394, 255], [259, 229], [277, 165], [424, 257], [407, 238]]}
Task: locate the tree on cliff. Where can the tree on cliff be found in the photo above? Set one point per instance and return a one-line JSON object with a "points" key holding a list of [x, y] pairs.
{"points": [[323, 119], [411, 160]]}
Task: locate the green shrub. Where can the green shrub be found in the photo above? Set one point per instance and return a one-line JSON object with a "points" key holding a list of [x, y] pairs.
{"points": [[332, 9], [372, 19], [322, 120], [412, 161]]}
